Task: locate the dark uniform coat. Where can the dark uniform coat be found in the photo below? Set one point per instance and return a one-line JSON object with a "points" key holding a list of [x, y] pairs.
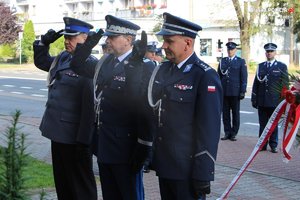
{"points": [[267, 84], [118, 127], [69, 114], [186, 142], [68, 122], [233, 75]]}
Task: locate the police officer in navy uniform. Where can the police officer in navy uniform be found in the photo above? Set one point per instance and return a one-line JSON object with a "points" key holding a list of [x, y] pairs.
{"points": [[150, 53], [125, 138], [159, 57], [233, 73], [270, 76], [187, 95], [68, 119]]}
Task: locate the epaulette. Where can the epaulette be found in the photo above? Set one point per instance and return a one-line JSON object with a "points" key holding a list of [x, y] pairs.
{"points": [[202, 65], [279, 62]]}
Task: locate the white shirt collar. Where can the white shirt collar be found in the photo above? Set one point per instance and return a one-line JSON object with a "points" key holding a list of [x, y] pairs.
{"points": [[122, 57], [182, 62], [271, 62]]}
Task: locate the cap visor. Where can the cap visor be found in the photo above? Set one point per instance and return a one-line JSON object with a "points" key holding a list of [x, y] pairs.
{"points": [[107, 33], [164, 32]]}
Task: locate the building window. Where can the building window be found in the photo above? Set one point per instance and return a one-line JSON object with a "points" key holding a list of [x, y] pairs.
{"points": [[206, 47]]}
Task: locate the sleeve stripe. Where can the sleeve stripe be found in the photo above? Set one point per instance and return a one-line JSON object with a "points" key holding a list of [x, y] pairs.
{"points": [[205, 152], [147, 143]]}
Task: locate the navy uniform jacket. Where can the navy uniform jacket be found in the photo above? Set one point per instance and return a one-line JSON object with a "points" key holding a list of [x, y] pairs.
{"points": [[187, 139], [120, 109], [266, 93], [69, 114], [233, 76]]}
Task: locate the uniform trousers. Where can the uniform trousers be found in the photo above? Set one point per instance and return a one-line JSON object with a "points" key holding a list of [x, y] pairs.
{"points": [[119, 183], [73, 172], [231, 107], [264, 114], [176, 190]]}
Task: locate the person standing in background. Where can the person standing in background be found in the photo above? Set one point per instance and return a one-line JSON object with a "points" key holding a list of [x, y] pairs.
{"points": [[270, 75], [233, 74]]}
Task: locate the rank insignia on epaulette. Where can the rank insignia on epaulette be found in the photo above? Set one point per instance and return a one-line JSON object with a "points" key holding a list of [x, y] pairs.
{"points": [[119, 78], [205, 67], [188, 68], [183, 87]]}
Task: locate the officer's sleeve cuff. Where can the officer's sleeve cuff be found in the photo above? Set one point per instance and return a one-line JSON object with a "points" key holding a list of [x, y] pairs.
{"points": [[144, 142]]}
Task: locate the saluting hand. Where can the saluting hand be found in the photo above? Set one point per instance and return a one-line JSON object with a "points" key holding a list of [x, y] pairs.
{"points": [[50, 37], [139, 48], [93, 38]]}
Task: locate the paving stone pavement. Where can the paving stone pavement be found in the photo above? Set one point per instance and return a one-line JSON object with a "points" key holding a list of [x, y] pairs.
{"points": [[268, 177]]}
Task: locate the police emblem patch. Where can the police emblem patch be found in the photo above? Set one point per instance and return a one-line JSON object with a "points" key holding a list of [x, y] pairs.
{"points": [[187, 68]]}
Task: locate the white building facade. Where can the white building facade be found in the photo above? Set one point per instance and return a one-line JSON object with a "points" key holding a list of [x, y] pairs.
{"points": [[217, 17]]}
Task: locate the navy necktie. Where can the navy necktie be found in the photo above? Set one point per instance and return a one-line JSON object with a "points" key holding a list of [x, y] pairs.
{"points": [[173, 68], [115, 62]]}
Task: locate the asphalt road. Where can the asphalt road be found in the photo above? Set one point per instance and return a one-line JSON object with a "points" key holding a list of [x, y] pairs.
{"points": [[26, 90]]}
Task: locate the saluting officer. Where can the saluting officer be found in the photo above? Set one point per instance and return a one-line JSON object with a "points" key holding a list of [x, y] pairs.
{"points": [[233, 73], [69, 116], [125, 137], [188, 96], [270, 76]]}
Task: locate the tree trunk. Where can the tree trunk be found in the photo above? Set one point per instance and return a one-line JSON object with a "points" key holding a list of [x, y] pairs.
{"points": [[292, 43], [245, 42]]}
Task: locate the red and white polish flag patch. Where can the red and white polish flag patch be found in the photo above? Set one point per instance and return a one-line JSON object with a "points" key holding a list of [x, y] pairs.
{"points": [[211, 88]]}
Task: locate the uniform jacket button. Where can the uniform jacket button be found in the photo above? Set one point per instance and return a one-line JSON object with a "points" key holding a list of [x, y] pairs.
{"points": [[160, 138], [180, 98], [165, 96]]}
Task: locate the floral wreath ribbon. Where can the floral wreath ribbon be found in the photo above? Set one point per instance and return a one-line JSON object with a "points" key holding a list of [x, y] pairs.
{"points": [[289, 110]]}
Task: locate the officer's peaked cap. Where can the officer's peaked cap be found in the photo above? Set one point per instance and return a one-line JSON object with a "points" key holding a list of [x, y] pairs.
{"points": [[231, 45], [270, 47], [151, 46], [177, 26], [117, 26], [75, 26]]}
